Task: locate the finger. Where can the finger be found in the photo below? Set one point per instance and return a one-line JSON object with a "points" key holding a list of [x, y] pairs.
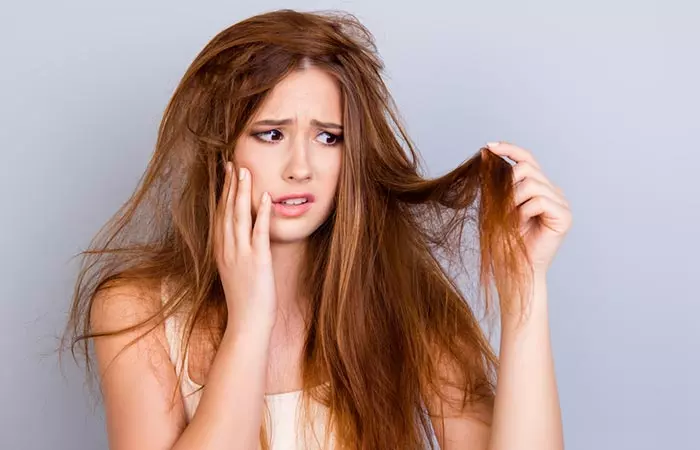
{"points": [[227, 218], [221, 205], [261, 231], [513, 152], [241, 214], [221, 201], [524, 171], [532, 187], [553, 214]]}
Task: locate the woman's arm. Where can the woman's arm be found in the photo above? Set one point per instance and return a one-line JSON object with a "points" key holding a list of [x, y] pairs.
{"points": [[229, 414], [526, 411], [138, 382]]}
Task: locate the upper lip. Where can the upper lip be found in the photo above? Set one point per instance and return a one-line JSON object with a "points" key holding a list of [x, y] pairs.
{"points": [[309, 197]]}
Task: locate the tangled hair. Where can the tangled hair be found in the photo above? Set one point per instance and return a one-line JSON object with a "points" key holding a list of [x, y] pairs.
{"points": [[385, 314]]}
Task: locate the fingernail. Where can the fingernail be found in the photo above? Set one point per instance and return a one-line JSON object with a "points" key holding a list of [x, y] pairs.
{"points": [[241, 173], [266, 197], [491, 144]]}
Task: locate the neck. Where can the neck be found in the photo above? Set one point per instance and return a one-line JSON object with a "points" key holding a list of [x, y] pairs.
{"points": [[286, 263]]}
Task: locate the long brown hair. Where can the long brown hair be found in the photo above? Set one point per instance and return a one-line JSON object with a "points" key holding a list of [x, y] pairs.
{"points": [[385, 310]]}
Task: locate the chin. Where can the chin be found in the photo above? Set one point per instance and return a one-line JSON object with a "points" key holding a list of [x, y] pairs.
{"points": [[289, 232]]}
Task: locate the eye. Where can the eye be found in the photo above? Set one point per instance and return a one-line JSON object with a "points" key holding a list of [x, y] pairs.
{"points": [[268, 133], [334, 138]]}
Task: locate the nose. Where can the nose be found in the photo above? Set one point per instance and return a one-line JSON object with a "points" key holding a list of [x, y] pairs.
{"points": [[298, 168]]}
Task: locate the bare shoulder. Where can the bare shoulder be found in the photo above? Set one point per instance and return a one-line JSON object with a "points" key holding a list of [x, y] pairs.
{"points": [[124, 304], [137, 379]]}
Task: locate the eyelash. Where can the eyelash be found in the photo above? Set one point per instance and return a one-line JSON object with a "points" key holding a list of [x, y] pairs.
{"points": [[338, 137]]}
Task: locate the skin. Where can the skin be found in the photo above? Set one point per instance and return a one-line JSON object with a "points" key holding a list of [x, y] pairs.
{"points": [[254, 360]]}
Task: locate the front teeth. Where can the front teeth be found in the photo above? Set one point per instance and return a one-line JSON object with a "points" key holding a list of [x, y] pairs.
{"points": [[294, 201]]}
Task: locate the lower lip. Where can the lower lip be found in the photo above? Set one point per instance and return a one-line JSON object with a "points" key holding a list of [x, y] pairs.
{"points": [[291, 210]]}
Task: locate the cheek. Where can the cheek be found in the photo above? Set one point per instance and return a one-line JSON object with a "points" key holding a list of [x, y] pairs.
{"points": [[332, 169], [255, 166]]}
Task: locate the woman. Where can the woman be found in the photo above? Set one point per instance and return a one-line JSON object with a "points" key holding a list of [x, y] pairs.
{"points": [[282, 250]]}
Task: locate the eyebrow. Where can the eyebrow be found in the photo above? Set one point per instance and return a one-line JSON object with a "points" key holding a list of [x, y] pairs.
{"points": [[314, 122]]}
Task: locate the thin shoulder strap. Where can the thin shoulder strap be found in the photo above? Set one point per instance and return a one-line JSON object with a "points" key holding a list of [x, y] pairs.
{"points": [[172, 331]]}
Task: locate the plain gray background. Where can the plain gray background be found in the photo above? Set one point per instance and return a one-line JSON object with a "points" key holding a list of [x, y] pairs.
{"points": [[605, 94]]}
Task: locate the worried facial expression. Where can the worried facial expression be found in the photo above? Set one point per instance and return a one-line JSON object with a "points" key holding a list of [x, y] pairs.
{"points": [[293, 150]]}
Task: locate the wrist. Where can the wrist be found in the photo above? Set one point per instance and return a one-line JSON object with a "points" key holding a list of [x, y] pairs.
{"points": [[253, 327], [539, 275], [530, 303]]}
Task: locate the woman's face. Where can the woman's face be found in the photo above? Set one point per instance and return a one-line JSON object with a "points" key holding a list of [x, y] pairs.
{"points": [[293, 148]]}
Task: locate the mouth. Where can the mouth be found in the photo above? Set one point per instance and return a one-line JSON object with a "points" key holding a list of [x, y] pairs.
{"points": [[292, 205]]}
